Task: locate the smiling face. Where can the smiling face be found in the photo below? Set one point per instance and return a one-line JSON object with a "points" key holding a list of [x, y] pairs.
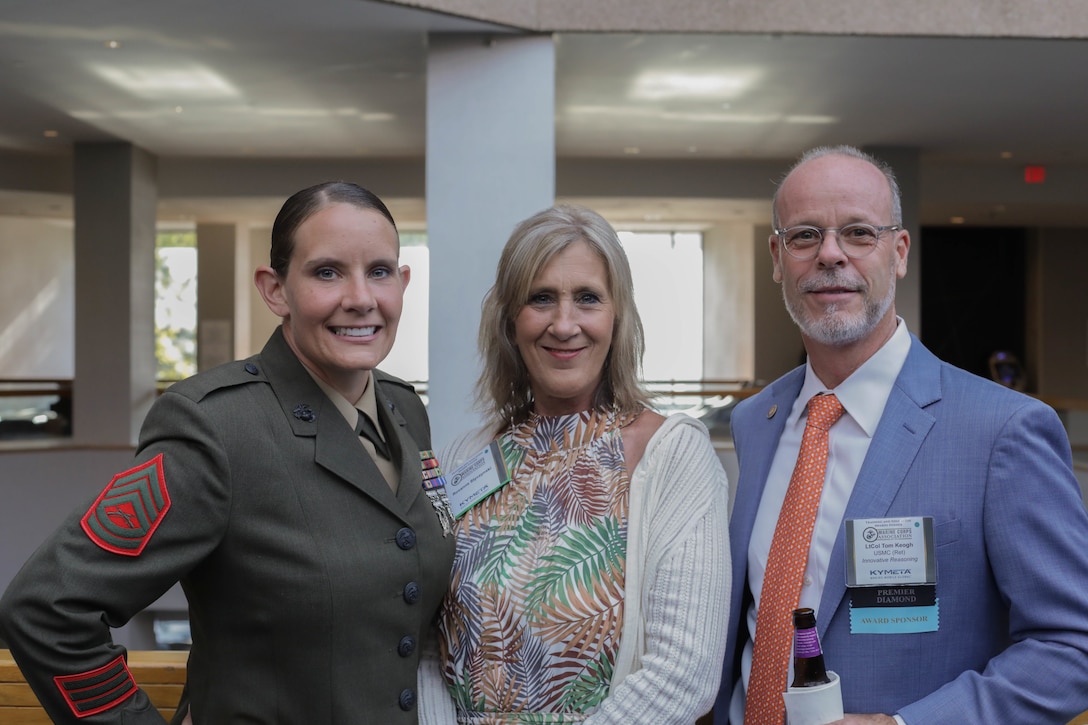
{"points": [[564, 331], [342, 295], [836, 300]]}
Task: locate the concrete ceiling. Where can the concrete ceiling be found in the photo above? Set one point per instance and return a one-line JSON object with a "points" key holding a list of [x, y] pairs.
{"points": [[343, 79]]}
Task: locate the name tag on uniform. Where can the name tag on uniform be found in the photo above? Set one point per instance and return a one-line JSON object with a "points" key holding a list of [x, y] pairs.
{"points": [[476, 479], [891, 573]]}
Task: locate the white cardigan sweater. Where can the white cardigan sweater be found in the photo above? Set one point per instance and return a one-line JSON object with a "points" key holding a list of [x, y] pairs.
{"points": [[669, 661]]}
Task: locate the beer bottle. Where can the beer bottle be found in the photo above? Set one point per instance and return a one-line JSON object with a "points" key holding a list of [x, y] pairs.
{"points": [[808, 658]]}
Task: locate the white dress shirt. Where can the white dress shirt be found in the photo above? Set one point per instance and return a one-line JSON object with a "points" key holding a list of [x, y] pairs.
{"points": [[863, 395]]}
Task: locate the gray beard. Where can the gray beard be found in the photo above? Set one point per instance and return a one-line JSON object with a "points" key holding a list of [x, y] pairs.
{"points": [[838, 330]]}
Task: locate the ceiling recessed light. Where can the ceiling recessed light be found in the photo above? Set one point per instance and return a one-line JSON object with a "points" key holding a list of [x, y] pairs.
{"points": [[147, 82], [718, 117], [113, 44], [50, 134], [957, 220], [724, 84], [811, 119], [1006, 154]]}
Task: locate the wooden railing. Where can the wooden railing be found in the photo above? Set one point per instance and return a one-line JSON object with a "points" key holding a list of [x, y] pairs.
{"points": [[161, 674], [704, 388]]}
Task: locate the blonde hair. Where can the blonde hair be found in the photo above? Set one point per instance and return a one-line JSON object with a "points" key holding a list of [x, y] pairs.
{"points": [[503, 390]]}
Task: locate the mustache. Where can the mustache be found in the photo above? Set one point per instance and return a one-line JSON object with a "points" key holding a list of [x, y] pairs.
{"points": [[833, 278]]}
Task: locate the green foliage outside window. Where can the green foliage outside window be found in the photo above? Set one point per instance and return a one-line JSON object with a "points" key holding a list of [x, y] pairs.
{"points": [[175, 304]]}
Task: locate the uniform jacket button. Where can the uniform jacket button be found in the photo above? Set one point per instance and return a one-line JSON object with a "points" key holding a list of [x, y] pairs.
{"points": [[407, 700], [411, 592], [406, 538], [407, 646], [251, 368]]}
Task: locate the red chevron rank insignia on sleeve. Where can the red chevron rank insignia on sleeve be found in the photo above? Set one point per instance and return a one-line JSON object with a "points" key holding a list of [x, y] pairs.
{"points": [[125, 515], [89, 693]]}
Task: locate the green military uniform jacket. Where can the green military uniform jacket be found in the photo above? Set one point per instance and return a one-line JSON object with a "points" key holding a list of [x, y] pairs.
{"points": [[310, 583]]}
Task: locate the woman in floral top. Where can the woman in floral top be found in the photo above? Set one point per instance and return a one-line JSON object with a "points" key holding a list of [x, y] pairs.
{"points": [[590, 583]]}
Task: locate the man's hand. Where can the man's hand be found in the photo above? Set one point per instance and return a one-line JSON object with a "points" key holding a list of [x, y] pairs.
{"points": [[866, 720]]}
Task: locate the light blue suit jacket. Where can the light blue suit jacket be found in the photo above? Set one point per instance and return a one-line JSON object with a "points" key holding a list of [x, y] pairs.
{"points": [[993, 468]]}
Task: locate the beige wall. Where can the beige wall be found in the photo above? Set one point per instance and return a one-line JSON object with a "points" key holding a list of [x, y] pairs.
{"points": [[37, 303], [217, 246], [260, 322], [728, 298], [1060, 318]]}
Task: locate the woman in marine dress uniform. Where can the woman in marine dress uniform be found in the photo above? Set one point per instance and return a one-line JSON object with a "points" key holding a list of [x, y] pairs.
{"points": [[313, 558]]}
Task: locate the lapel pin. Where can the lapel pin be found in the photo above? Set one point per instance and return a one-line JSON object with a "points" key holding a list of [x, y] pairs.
{"points": [[772, 411], [303, 412]]}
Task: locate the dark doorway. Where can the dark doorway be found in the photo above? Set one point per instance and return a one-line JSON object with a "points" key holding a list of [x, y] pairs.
{"points": [[973, 294]]}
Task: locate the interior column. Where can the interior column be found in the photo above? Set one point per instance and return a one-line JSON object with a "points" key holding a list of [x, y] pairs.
{"points": [[490, 164], [115, 371]]}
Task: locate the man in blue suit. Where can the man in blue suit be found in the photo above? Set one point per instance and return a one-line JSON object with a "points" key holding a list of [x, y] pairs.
{"points": [[1003, 634]]}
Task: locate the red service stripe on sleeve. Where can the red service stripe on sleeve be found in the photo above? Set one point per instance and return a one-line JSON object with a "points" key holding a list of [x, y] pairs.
{"points": [[89, 693]]}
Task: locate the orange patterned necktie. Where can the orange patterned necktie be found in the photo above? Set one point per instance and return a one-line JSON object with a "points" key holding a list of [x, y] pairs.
{"points": [[786, 564]]}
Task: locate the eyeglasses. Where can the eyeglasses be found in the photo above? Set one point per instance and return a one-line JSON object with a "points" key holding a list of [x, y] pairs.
{"points": [[855, 240]]}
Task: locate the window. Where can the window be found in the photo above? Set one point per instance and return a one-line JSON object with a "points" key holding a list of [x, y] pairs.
{"points": [[667, 268], [408, 358], [175, 304]]}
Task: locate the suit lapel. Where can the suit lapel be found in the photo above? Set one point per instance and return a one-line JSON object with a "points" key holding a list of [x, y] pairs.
{"points": [[903, 428], [756, 433], [759, 447]]}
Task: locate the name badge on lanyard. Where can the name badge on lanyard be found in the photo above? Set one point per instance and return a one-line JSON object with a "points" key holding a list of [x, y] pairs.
{"points": [[476, 479], [891, 574]]}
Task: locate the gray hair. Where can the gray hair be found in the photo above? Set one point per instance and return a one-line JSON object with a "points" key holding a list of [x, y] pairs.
{"points": [[853, 152]]}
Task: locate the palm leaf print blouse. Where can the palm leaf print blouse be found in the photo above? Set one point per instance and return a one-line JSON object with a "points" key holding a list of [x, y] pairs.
{"points": [[532, 619]]}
